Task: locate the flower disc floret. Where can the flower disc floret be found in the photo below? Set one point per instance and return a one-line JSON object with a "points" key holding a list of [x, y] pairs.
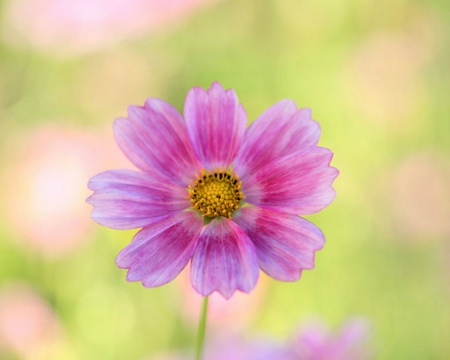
{"points": [[216, 193]]}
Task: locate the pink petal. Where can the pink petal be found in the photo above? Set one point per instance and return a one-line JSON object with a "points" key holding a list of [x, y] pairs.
{"points": [[285, 243], [299, 183], [155, 137], [353, 340], [224, 260], [159, 252], [127, 199], [215, 123], [279, 131]]}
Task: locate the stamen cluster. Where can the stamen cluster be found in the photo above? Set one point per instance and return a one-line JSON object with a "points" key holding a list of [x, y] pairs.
{"points": [[216, 193]]}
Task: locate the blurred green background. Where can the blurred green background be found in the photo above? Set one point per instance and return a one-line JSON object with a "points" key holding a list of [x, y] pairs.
{"points": [[377, 77]]}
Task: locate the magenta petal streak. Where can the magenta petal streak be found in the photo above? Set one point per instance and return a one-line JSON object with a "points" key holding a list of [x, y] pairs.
{"points": [[216, 124], [285, 243], [154, 137], [224, 260], [299, 183], [127, 199], [279, 131], [159, 252]]}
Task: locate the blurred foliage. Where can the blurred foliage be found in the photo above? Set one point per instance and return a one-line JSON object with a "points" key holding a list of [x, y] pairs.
{"points": [[377, 77]]}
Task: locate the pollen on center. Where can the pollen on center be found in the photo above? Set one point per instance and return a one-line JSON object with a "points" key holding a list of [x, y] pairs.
{"points": [[216, 193]]}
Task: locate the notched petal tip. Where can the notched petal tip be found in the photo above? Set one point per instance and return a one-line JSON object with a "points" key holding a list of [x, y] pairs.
{"points": [[226, 295], [118, 122], [89, 199], [216, 89], [335, 170], [92, 182], [217, 85], [121, 264], [131, 109], [155, 103], [306, 112]]}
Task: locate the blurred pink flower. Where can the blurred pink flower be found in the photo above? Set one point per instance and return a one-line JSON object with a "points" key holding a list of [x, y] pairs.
{"points": [[28, 325], [316, 341], [418, 196], [45, 186], [67, 26], [111, 80], [382, 77]]}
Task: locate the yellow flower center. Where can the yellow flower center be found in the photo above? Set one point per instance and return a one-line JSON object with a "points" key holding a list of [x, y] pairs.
{"points": [[216, 193]]}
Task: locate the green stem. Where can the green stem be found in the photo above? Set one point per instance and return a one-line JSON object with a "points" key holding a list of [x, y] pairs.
{"points": [[201, 329]]}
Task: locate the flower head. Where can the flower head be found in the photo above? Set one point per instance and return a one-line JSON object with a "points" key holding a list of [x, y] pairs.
{"points": [[28, 325], [65, 27], [45, 184], [213, 193]]}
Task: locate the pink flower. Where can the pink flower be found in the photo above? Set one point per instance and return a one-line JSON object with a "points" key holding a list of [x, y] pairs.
{"points": [[275, 165], [418, 198], [236, 348], [316, 342], [28, 325], [45, 183]]}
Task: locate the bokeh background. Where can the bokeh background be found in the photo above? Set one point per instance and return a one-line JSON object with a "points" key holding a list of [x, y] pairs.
{"points": [[375, 73]]}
